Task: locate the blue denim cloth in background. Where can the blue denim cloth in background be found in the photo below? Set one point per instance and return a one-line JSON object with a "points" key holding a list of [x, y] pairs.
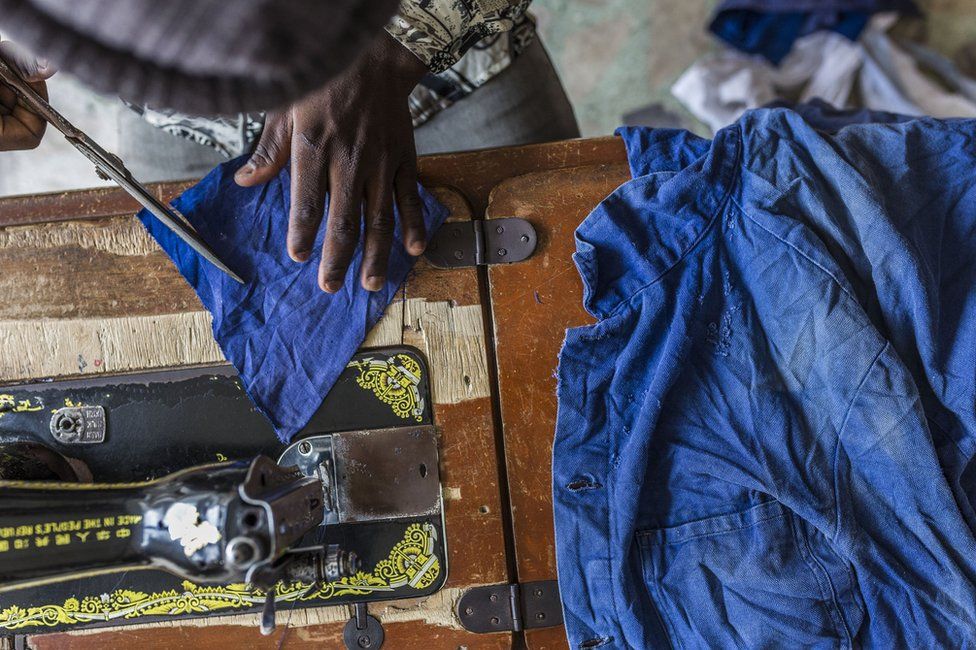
{"points": [[770, 27], [766, 439], [287, 338]]}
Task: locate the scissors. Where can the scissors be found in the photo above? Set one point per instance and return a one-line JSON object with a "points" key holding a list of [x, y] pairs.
{"points": [[110, 167]]}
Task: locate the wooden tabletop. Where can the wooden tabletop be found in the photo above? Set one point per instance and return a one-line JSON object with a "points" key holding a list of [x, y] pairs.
{"points": [[94, 294]]}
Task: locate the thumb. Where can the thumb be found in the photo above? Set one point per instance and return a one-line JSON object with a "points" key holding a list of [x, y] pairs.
{"points": [[270, 154]]}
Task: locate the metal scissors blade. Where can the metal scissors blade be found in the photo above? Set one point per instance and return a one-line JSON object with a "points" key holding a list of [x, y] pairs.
{"points": [[109, 166]]}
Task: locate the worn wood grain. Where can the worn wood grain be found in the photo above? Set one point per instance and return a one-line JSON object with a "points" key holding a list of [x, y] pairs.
{"points": [[96, 296], [475, 173], [99, 242], [532, 305], [454, 335], [88, 269], [472, 174], [439, 312], [50, 347], [407, 635]]}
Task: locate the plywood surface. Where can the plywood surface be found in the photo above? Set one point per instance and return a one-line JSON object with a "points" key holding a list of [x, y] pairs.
{"points": [[96, 295], [533, 303]]}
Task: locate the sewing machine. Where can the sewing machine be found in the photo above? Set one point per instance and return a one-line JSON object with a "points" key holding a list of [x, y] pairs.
{"points": [[350, 512]]}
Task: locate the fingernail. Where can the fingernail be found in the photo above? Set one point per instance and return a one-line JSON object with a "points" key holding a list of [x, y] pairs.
{"points": [[416, 247], [300, 256], [246, 170], [331, 286], [374, 283]]}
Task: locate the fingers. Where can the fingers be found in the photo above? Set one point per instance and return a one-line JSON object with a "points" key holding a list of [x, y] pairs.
{"points": [[342, 229], [20, 129], [270, 154], [362, 184], [408, 201], [378, 215], [309, 181]]}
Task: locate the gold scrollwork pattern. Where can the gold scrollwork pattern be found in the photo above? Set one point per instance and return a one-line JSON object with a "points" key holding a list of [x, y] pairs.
{"points": [[411, 562], [394, 381]]}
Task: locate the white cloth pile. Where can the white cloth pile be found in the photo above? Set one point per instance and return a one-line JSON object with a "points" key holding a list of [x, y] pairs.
{"points": [[876, 73]]}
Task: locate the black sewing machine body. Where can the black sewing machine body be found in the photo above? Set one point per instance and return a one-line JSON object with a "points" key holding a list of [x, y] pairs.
{"points": [[371, 446]]}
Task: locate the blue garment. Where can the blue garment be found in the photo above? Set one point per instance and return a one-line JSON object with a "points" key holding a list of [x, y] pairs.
{"points": [[287, 338], [770, 27], [766, 439]]}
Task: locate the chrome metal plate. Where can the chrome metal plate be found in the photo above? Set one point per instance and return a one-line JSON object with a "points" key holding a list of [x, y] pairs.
{"points": [[373, 475]]}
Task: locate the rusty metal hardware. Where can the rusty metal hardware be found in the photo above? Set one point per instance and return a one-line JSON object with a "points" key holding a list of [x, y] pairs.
{"points": [[511, 608], [459, 244], [78, 425], [372, 475], [363, 631]]}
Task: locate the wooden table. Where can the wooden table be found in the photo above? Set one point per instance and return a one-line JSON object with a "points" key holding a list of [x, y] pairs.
{"points": [[89, 292]]}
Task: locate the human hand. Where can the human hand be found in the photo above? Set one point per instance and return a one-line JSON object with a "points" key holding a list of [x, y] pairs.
{"points": [[354, 139], [19, 127]]}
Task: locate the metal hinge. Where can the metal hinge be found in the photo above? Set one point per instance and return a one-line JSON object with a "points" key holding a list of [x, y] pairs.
{"points": [[483, 241], [511, 608]]}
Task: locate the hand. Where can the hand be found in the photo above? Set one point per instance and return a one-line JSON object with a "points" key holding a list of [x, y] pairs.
{"points": [[19, 127], [354, 138]]}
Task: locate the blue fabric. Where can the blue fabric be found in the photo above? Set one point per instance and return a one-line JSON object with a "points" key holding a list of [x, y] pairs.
{"points": [[770, 27], [287, 338], [766, 440]]}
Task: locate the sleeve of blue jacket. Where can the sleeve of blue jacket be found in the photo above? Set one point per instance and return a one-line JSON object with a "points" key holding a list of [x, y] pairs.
{"points": [[287, 338]]}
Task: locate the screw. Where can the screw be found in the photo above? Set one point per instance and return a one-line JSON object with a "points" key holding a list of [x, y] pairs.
{"points": [[364, 641], [540, 616], [458, 254], [502, 252], [305, 448], [538, 593], [469, 611], [494, 620], [525, 238], [494, 597], [500, 229]]}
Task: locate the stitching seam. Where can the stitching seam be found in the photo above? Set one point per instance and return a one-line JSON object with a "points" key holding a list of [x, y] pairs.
{"points": [[644, 535], [795, 248], [719, 211], [840, 431]]}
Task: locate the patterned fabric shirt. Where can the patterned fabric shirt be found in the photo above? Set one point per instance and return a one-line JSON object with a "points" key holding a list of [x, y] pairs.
{"points": [[464, 43]]}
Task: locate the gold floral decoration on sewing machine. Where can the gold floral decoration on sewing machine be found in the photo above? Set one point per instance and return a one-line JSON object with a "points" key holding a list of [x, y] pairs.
{"points": [[394, 381], [411, 563]]}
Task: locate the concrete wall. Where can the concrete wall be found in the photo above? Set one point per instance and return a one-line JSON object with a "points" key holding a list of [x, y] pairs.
{"points": [[616, 56]]}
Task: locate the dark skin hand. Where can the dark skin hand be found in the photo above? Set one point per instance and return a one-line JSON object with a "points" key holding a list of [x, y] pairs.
{"points": [[354, 139], [19, 127]]}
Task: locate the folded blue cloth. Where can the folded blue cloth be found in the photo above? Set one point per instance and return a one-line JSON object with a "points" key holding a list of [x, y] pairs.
{"points": [[287, 338], [768, 438], [770, 27]]}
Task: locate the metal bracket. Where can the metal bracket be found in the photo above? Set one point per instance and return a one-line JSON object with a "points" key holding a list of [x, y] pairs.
{"points": [[78, 425], [482, 241], [363, 630], [511, 608]]}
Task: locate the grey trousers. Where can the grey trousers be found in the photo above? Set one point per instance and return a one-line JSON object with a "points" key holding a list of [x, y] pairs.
{"points": [[524, 104]]}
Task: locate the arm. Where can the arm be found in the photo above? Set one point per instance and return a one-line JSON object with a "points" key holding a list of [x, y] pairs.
{"points": [[354, 139]]}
